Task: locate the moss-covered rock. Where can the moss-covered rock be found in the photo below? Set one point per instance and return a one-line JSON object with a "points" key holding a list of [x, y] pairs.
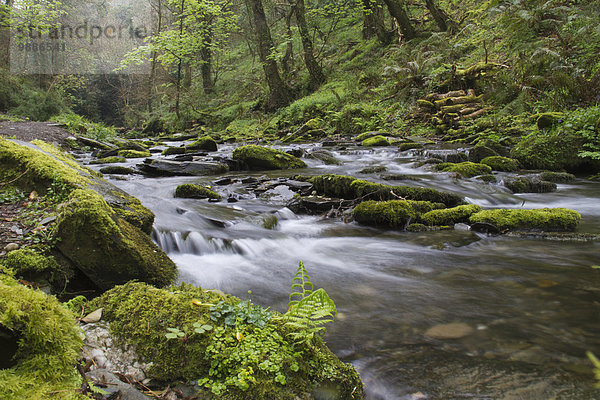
{"points": [[350, 188], [557, 177], [409, 146], [487, 178], [264, 158], [548, 119], [35, 267], [134, 154], [191, 191], [391, 214], [376, 141], [465, 169], [546, 219], [109, 160], [450, 216], [365, 135], [373, 170], [204, 143], [240, 360], [479, 152], [105, 247], [499, 163], [117, 170], [529, 185], [48, 345], [170, 151]]}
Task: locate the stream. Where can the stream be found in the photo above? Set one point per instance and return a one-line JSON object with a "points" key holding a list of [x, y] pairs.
{"points": [[534, 305]]}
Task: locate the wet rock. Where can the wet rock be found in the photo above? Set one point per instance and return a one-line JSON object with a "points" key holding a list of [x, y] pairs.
{"points": [[115, 388], [454, 330], [529, 185], [447, 155], [324, 156], [296, 152], [373, 170], [11, 247], [185, 168], [228, 180], [117, 170], [265, 158], [315, 204], [484, 227]]}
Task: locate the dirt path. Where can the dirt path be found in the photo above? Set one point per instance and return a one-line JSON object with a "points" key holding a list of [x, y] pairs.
{"points": [[27, 131]]}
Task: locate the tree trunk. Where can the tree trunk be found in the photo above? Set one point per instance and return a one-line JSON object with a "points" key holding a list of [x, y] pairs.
{"points": [[5, 34], [279, 93], [396, 8], [154, 59], [441, 19], [206, 68], [314, 69], [374, 23], [288, 58]]}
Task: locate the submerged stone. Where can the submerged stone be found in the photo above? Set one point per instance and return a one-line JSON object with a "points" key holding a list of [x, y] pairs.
{"points": [[454, 330]]}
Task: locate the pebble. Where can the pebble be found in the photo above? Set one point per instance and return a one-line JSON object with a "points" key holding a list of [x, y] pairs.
{"points": [[454, 330], [11, 247]]}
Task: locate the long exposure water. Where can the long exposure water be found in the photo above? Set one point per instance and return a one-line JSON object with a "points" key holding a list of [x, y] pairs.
{"points": [[533, 304]]}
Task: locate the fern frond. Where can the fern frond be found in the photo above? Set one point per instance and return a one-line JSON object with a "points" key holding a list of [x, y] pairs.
{"points": [[301, 286], [315, 310]]}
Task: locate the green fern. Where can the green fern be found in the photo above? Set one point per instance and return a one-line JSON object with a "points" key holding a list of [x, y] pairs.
{"points": [[308, 310]]}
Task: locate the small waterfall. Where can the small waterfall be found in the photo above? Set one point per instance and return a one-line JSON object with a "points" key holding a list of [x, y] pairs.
{"points": [[190, 243]]}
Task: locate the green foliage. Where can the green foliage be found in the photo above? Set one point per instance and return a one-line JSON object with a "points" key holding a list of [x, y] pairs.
{"points": [[10, 194], [79, 125], [596, 364], [240, 313]]}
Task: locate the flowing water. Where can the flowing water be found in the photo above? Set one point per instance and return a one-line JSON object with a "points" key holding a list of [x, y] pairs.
{"points": [[534, 305]]}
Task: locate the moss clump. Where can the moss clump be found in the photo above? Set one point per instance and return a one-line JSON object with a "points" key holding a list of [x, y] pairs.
{"points": [[499, 163], [376, 141], [465, 169], [529, 185], [106, 248], [261, 364], [134, 154], [169, 151], [479, 152], [109, 160], [546, 219], [450, 216], [392, 214], [131, 210], [548, 120], [35, 267], [204, 143], [191, 191], [417, 228], [409, 146], [49, 345], [488, 178], [552, 151], [264, 158], [373, 170], [364, 136], [557, 177], [347, 187], [117, 170]]}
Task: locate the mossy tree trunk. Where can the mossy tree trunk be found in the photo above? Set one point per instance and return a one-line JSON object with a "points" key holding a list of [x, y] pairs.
{"points": [[5, 8], [314, 69], [288, 58], [279, 93], [206, 67], [441, 18], [398, 11], [374, 22]]}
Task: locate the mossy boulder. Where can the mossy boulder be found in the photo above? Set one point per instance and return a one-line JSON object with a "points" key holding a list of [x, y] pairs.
{"points": [[465, 169], [107, 248], [134, 154], [191, 191], [529, 185], [117, 170], [557, 177], [409, 146], [350, 188], [109, 160], [36, 267], [46, 343], [391, 214], [365, 135], [546, 219], [553, 151], [204, 143], [264, 158], [376, 141], [548, 119], [499, 163], [479, 152], [450, 216], [170, 151], [236, 360]]}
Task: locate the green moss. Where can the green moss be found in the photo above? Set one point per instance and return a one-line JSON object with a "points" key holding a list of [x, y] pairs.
{"points": [[35, 267], [204, 143], [409, 146], [131, 210], [117, 170], [499, 163], [546, 219], [529, 185], [264, 158], [364, 136], [270, 221], [169, 151], [376, 141], [487, 178], [373, 170], [552, 151], [242, 369], [450, 216], [347, 187], [134, 154], [109, 160], [479, 152], [547, 120], [191, 191], [48, 347], [465, 169], [392, 214], [557, 177], [105, 247], [417, 228]]}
